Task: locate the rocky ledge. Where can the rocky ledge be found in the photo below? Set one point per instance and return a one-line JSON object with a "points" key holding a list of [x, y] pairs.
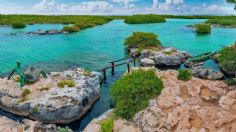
{"points": [[194, 106], [50, 100], [47, 32], [168, 57], [8, 125]]}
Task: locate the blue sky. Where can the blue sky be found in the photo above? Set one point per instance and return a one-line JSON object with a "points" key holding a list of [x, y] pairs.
{"points": [[116, 7]]}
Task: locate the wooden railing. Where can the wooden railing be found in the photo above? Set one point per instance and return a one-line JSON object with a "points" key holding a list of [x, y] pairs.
{"points": [[113, 65]]}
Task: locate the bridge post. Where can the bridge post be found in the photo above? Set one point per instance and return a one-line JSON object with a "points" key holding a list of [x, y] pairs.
{"points": [[104, 74], [128, 67], [113, 68]]}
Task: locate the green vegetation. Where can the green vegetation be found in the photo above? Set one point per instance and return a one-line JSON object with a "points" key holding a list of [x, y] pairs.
{"points": [[25, 93], [133, 92], [142, 40], [63, 129], [18, 25], [142, 19], [70, 29], [203, 28], [184, 75], [63, 83], [231, 81], [44, 88], [223, 22], [107, 125], [227, 59]]}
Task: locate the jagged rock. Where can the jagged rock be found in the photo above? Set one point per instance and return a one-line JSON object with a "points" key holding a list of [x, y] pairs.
{"points": [[134, 52], [205, 73], [146, 62], [47, 32], [47, 102]]}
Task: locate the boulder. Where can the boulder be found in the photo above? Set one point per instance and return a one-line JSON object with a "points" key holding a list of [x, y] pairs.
{"points": [[49, 103], [146, 62], [206, 73]]}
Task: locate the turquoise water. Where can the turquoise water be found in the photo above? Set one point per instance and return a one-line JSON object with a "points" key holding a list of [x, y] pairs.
{"points": [[93, 48]]}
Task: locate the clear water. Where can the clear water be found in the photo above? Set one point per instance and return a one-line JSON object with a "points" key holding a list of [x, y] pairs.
{"points": [[93, 48]]}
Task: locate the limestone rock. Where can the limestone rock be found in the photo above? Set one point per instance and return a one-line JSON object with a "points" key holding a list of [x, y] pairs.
{"points": [[146, 62], [205, 73]]}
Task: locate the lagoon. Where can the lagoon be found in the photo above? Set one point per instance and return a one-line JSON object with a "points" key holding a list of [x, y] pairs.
{"points": [[93, 48]]}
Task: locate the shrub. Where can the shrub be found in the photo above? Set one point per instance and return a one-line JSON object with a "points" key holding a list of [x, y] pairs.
{"points": [[133, 92], [63, 129], [18, 25], [107, 125], [203, 28], [70, 29], [227, 59], [142, 40], [142, 19], [63, 83], [25, 93], [184, 75], [231, 81]]}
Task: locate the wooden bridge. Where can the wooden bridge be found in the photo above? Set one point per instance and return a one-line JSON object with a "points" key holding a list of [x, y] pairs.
{"points": [[114, 64]]}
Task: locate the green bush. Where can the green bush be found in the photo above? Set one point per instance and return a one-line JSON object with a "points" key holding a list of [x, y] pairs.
{"points": [[25, 93], [142, 40], [63, 129], [18, 25], [184, 75], [107, 125], [70, 29], [231, 81], [227, 59], [133, 92], [63, 83], [142, 19], [203, 28]]}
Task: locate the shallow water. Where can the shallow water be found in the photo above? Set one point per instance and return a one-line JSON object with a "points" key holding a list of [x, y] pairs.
{"points": [[93, 48]]}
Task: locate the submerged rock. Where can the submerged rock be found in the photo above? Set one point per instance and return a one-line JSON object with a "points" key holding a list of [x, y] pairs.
{"points": [[49, 102]]}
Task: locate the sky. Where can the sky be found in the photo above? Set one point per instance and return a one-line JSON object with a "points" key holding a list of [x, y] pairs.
{"points": [[117, 7]]}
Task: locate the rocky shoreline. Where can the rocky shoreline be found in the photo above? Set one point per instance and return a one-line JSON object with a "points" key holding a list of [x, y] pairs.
{"points": [[47, 32], [195, 105], [49, 103]]}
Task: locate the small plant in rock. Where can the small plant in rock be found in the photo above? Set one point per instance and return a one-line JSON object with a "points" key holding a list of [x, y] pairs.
{"points": [[108, 124], [133, 92], [184, 74], [203, 28], [25, 93], [63, 83], [44, 88], [231, 81], [63, 129], [21, 100], [87, 72]]}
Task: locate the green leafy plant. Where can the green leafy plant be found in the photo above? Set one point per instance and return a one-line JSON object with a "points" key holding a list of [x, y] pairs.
{"points": [[141, 19], [107, 125], [133, 92], [227, 59], [142, 40], [63, 129], [63, 83], [231, 81], [203, 28], [184, 74], [18, 25], [25, 93]]}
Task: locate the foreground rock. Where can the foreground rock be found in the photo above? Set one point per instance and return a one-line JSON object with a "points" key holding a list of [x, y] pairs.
{"points": [[49, 103], [169, 57], [193, 106], [8, 125], [206, 73], [47, 32]]}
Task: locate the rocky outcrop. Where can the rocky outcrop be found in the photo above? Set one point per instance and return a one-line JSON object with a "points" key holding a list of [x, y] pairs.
{"points": [[8, 125], [169, 57], [193, 106], [206, 73], [47, 32], [49, 103]]}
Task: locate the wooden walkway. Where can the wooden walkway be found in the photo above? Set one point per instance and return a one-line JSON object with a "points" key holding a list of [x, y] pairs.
{"points": [[115, 64]]}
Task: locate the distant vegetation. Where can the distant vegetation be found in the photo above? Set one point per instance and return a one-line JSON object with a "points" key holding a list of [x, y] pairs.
{"points": [[142, 19], [133, 92], [203, 28], [225, 21], [184, 74], [227, 59], [18, 25], [142, 40]]}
